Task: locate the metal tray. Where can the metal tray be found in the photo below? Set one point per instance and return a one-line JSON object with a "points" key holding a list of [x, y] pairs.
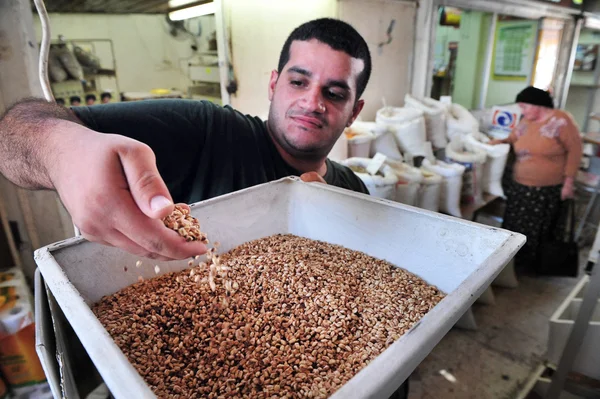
{"points": [[459, 257]]}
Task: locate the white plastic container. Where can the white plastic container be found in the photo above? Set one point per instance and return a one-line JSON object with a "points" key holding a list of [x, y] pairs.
{"points": [[561, 323], [408, 125], [383, 186], [461, 258], [429, 192], [435, 119], [494, 163]]}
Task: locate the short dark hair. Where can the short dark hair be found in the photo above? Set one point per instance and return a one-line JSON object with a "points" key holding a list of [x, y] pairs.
{"points": [[339, 36], [74, 98], [105, 95], [60, 101], [533, 95], [90, 97]]}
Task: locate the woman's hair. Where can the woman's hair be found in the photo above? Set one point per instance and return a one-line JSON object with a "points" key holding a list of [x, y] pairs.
{"points": [[535, 96]]}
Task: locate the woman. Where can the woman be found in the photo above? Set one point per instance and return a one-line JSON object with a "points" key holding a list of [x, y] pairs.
{"points": [[548, 150]]}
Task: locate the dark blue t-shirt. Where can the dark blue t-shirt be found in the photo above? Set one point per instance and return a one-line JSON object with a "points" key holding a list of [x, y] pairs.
{"points": [[203, 150]]}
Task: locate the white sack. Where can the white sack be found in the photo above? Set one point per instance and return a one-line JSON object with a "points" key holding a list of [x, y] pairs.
{"points": [[429, 192], [494, 164], [435, 119], [473, 159], [460, 121], [409, 182], [383, 142], [407, 124], [450, 192], [379, 186]]}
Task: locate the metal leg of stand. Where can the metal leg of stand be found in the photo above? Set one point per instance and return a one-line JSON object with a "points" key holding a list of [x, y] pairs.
{"points": [[588, 209], [575, 340]]}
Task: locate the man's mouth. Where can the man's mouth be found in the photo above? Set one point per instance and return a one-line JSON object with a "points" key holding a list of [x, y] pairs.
{"points": [[308, 121]]}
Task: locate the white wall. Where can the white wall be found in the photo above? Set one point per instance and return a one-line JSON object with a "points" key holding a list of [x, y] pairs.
{"points": [[391, 64], [147, 56], [258, 29]]}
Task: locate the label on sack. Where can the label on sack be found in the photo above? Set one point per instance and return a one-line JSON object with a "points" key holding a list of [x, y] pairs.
{"points": [[376, 163]]}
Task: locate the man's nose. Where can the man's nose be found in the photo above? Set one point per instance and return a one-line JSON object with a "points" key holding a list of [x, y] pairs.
{"points": [[313, 101]]}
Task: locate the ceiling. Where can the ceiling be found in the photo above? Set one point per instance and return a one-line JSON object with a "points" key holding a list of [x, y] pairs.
{"points": [[107, 6]]}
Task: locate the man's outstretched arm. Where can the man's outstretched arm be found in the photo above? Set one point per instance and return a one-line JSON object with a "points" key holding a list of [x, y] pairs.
{"points": [[109, 183]]}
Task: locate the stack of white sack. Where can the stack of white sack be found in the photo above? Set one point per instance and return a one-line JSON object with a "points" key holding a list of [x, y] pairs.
{"points": [[450, 192], [473, 159], [380, 185], [383, 139], [435, 118], [429, 192], [494, 164], [409, 182], [407, 125], [460, 121]]}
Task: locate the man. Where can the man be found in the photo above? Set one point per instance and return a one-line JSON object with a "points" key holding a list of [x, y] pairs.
{"points": [[112, 184], [75, 101], [105, 97], [90, 99]]}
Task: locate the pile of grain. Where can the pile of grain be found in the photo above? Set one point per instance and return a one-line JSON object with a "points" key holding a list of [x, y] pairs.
{"points": [[305, 317]]}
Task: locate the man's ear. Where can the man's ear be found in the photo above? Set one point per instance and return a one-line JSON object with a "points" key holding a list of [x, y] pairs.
{"points": [[357, 108], [273, 83]]}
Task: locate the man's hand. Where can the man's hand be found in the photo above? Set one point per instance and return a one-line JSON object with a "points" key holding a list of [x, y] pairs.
{"points": [[495, 142], [111, 187], [568, 189], [309, 177]]}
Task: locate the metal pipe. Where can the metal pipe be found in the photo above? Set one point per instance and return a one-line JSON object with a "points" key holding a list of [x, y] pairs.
{"points": [[487, 65], [569, 75], [44, 50]]}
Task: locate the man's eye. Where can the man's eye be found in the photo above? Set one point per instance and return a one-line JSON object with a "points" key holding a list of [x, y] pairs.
{"points": [[297, 83], [335, 96]]}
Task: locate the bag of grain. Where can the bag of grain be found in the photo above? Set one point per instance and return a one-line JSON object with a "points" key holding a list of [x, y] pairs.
{"points": [[460, 121], [383, 140], [429, 192], [409, 181], [450, 192], [359, 138], [380, 185], [407, 124], [473, 159], [435, 119], [494, 164]]}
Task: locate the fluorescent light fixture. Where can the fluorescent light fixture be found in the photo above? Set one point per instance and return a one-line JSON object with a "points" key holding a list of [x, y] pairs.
{"points": [[192, 12], [179, 3]]}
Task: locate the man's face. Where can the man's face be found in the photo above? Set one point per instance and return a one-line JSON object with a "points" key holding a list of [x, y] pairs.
{"points": [[313, 99]]}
